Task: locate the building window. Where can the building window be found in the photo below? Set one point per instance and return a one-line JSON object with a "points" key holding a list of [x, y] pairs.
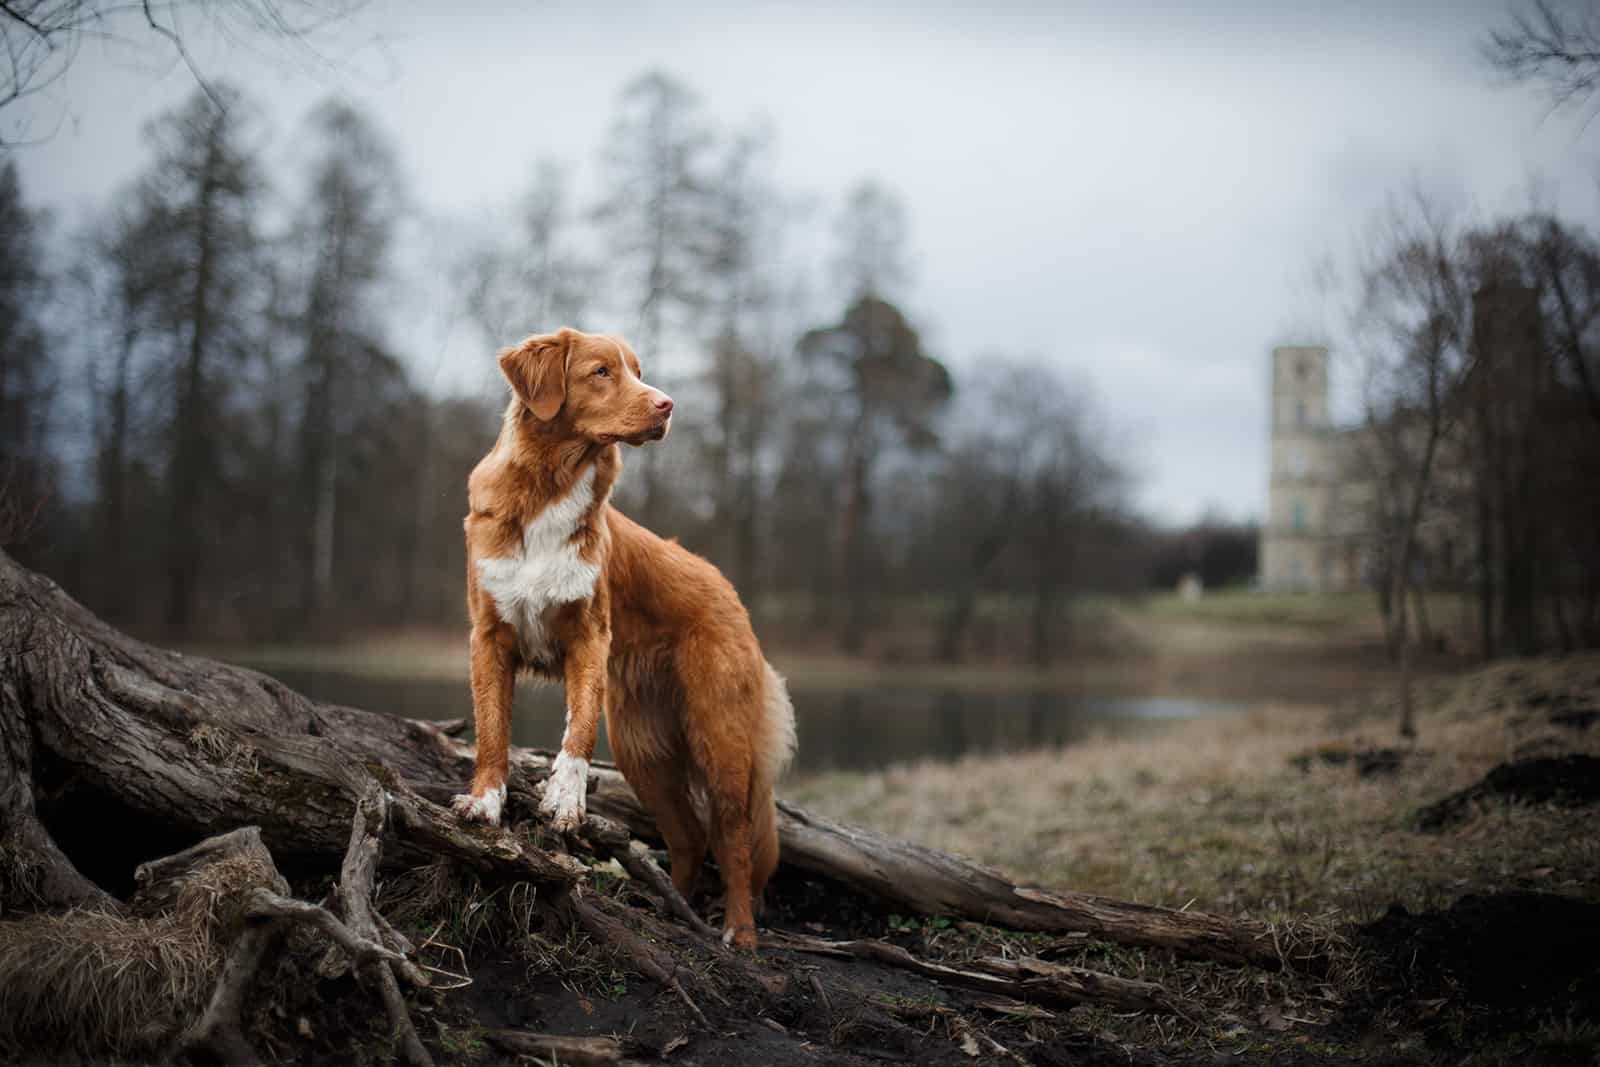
{"points": [[1297, 513]]}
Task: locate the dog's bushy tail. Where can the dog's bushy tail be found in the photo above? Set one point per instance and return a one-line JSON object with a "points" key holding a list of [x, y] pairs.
{"points": [[775, 743]]}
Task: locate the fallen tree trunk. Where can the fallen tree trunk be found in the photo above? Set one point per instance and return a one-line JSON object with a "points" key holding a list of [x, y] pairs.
{"points": [[204, 746], [929, 882], [1026, 978], [172, 748]]}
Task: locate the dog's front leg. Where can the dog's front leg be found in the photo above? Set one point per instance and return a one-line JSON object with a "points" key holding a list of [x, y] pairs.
{"points": [[566, 789], [493, 675]]}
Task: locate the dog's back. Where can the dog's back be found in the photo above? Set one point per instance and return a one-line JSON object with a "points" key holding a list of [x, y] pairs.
{"points": [[695, 709]]}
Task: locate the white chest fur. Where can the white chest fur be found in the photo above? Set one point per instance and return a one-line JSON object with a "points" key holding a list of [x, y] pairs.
{"points": [[546, 572]]}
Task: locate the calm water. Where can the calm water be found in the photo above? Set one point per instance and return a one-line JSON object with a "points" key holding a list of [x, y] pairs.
{"points": [[854, 729]]}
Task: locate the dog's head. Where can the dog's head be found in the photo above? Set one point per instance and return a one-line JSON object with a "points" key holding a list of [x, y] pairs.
{"points": [[589, 385]]}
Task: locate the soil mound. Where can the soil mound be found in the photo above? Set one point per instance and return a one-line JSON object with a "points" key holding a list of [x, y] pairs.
{"points": [[1567, 781], [1518, 950]]}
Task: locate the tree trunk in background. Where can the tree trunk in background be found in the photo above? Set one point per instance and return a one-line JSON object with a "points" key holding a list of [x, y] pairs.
{"points": [[851, 587], [746, 541], [1042, 622], [964, 605], [1485, 569], [956, 621], [113, 486], [186, 552], [1408, 727], [1419, 595], [1408, 540]]}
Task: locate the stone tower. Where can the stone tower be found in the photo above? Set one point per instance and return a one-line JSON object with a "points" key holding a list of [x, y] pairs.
{"points": [[1294, 530]]}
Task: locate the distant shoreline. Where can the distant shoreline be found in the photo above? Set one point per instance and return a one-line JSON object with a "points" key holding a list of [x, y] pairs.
{"points": [[1232, 647]]}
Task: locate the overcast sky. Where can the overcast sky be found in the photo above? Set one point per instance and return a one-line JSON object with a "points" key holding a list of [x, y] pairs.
{"points": [[1137, 193]]}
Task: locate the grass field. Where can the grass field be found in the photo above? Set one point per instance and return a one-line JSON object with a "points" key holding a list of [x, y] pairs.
{"points": [[1307, 816], [1300, 811], [1263, 813]]}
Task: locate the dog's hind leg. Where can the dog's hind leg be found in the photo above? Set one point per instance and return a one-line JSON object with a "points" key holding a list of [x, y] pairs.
{"points": [[721, 746], [657, 770], [728, 793]]}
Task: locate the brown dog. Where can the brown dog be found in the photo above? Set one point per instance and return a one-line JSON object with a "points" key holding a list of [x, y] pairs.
{"points": [[562, 584]]}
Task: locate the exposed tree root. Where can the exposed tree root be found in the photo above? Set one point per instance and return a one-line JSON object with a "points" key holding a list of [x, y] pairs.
{"points": [[611, 931], [560, 1048], [613, 842], [219, 1032], [1024, 979], [355, 893], [197, 747]]}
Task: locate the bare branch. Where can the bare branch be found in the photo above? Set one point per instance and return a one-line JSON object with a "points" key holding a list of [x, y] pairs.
{"points": [[1556, 49]]}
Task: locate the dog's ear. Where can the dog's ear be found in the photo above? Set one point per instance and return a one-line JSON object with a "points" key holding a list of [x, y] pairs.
{"points": [[537, 371]]}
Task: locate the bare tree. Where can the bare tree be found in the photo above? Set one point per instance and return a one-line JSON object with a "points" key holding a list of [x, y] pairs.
{"points": [[346, 225], [530, 276], [1554, 46], [203, 186], [654, 217], [40, 39], [870, 236], [27, 385], [1072, 493], [886, 392], [745, 219], [1566, 266], [1416, 309], [980, 492], [119, 284]]}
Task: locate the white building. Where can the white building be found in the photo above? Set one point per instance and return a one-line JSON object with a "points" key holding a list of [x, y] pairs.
{"points": [[1313, 536]]}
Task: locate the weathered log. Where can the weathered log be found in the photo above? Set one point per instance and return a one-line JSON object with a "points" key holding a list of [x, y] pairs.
{"points": [[612, 841], [1026, 979], [612, 932], [183, 744], [172, 970], [356, 877], [204, 746], [929, 882], [973, 1041], [219, 1031], [559, 1048]]}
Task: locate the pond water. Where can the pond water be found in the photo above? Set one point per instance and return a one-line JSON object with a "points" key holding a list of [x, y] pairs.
{"points": [[855, 728]]}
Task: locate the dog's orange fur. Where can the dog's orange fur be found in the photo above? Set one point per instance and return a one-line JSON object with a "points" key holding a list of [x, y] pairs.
{"points": [[662, 644]]}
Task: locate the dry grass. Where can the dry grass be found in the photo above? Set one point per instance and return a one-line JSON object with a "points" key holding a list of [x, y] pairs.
{"points": [[452, 916], [1266, 815], [1220, 815], [94, 981]]}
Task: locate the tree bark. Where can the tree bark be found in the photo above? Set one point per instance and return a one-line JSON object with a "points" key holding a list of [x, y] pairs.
{"points": [[199, 747], [203, 746]]}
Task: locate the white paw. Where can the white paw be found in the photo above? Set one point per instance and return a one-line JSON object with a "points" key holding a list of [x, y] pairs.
{"points": [[565, 792], [485, 807]]}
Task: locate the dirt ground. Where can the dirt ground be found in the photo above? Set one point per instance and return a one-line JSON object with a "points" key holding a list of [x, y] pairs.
{"points": [[1461, 871], [1454, 880], [1471, 939]]}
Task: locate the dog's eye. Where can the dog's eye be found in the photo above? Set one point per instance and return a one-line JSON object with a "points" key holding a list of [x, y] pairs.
{"points": [[601, 372]]}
